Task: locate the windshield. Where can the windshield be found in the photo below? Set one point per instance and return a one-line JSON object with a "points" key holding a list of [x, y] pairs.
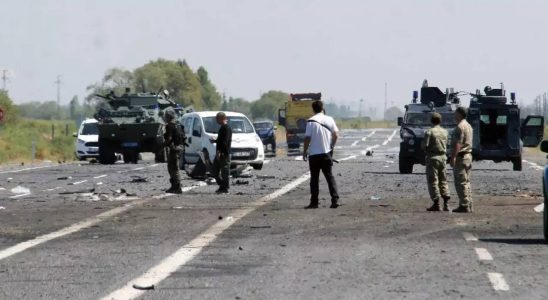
{"points": [[90, 129], [238, 125], [263, 125], [423, 119]]}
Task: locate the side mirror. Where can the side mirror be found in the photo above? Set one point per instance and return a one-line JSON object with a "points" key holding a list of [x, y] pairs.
{"points": [[196, 133], [400, 121], [544, 146], [74, 134]]}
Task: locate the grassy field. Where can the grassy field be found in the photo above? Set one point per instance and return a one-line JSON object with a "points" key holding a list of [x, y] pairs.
{"points": [[359, 123], [16, 140]]}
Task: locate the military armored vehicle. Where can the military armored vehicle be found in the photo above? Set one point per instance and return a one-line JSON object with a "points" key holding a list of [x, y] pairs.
{"points": [[131, 124], [417, 120], [499, 134]]}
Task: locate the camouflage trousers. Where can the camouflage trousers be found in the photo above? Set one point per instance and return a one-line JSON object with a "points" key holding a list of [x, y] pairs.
{"points": [[436, 176], [173, 167], [461, 172]]}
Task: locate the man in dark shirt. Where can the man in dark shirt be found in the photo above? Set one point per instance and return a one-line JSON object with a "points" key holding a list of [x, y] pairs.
{"points": [[174, 140], [221, 164]]}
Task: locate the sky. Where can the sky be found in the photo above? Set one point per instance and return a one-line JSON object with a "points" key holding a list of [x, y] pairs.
{"points": [[346, 49]]}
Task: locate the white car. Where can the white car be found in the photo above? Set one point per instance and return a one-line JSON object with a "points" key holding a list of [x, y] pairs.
{"points": [[87, 142], [200, 127]]}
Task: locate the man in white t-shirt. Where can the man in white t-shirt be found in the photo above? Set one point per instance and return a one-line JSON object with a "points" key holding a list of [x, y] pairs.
{"points": [[320, 138]]}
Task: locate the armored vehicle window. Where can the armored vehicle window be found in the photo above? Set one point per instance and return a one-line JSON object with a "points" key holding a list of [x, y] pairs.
{"points": [[238, 125], [90, 129], [534, 122], [423, 119]]}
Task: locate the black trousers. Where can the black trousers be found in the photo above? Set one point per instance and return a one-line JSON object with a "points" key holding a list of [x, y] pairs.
{"points": [[324, 163]]}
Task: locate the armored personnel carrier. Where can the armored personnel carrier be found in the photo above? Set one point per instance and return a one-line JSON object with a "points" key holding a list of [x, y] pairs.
{"points": [[499, 134], [417, 119], [131, 124]]}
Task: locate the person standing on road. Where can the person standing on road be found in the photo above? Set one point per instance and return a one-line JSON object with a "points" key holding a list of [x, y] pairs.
{"points": [[461, 160], [434, 145], [174, 140], [221, 163], [320, 138]]}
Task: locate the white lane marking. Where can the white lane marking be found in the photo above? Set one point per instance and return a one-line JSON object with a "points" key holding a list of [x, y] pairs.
{"points": [[364, 152], [539, 208], [100, 176], [79, 182], [25, 169], [183, 255], [153, 165], [299, 158], [390, 137], [483, 254], [347, 158], [498, 282], [368, 136], [20, 195], [137, 169], [266, 162], [469, 237], [2, 189], [355, 143], [534, 165], [53, 189], [81, 225]]}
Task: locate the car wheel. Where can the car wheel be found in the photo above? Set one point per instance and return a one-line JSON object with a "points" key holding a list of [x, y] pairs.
{"points": [[406, 166], [517, 162], [257, 166]]}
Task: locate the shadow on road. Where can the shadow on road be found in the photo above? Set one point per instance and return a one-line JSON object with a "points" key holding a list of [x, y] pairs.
{"points": [[513, 241], [393, 173]]}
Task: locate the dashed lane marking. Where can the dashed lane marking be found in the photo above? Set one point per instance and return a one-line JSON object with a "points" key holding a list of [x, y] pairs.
{"points": [[534, 165], [100, 176], [266, 162], [355, 143], [483, 254], [299, 158], [539, 208], [187, 252], [137, 169], [79, 182], [25, 169], [368, 136], [81, 225], [498, 282], [348, 158], [20, 195], [460, 222], [390, 137], [469, 237]]}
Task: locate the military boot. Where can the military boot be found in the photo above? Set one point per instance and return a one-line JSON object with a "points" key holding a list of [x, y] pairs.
{"points": [[434, 207], [172, 188], [462, 209], [176, 189], [445, 203]]}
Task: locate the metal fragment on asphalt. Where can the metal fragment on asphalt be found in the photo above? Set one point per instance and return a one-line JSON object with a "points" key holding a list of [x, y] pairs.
{"points": [[143, 287]]}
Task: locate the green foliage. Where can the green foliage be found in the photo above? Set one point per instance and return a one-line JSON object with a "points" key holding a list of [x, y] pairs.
{"points": [[238, 105], [16, 140], [393, 113], [268, 105], [185, 86], [10, 111], [363, 123]]}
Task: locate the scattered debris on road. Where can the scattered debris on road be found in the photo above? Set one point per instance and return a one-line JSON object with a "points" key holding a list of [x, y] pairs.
{"points": [[64, 178], [143, 287], [2, 208], [369, 153], [266, 177], [375, 198], [260, 227], [20, 190], [138, 179], [241, 182], [177, 207]]}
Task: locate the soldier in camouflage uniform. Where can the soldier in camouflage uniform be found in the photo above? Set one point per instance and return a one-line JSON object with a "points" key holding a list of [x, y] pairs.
{"points": [[174, 142], [461, 160], [434, 145]]}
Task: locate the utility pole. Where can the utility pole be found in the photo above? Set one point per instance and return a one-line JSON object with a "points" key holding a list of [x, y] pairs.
{"points": [[385, 99], [58, 83], [4, 79]]}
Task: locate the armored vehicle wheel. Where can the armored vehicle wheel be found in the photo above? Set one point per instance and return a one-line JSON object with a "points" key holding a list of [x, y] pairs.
{"points": [[406, 166], [517, 162], [131, 156], [257, 166], [160, 156], [106, 153]]}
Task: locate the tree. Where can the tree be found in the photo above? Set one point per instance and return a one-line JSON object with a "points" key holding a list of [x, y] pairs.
{"points": [[10, 111], [268, 105], [212, 99], [115, 79], [393, 113], [238, 105], [75, 108]]}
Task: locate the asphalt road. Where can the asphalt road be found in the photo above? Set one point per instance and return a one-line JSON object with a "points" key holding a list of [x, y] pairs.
{"points": [[60, 241]]}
